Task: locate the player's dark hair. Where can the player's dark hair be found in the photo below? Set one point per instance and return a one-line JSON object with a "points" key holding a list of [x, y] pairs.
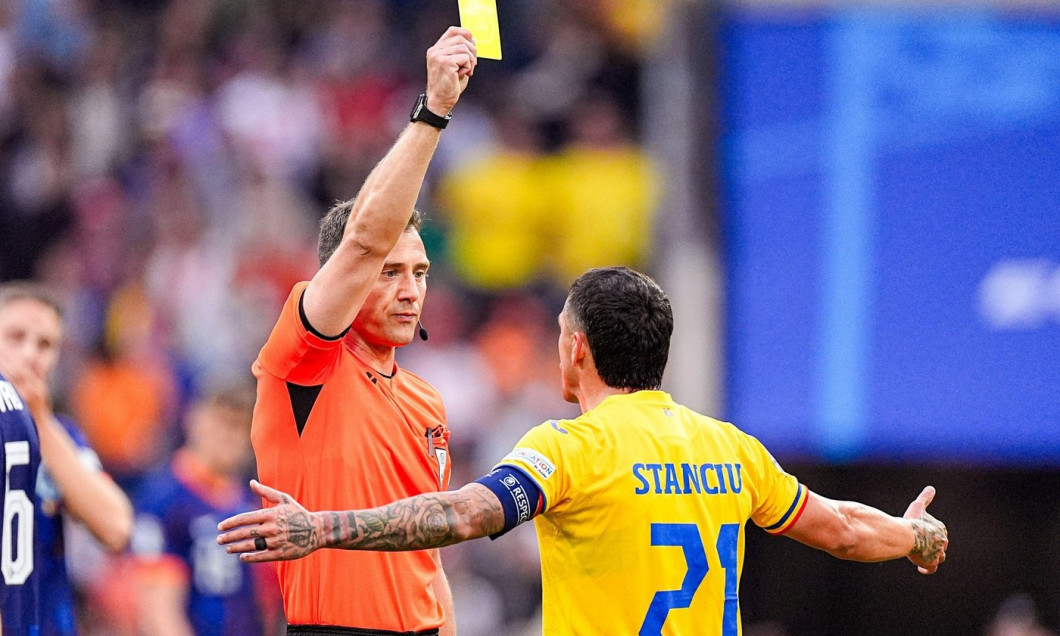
{"points": [[627, 320], [26, 290], [333, 226]]}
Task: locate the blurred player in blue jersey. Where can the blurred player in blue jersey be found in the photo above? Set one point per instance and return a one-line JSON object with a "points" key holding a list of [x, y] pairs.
{"points": [[19, 555], [640, 503], [72, 482], [186, 583]]}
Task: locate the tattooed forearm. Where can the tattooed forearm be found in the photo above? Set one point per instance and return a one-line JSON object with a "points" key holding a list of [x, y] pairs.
{"points": [[336, 527], [421, 522], [417, 523]]}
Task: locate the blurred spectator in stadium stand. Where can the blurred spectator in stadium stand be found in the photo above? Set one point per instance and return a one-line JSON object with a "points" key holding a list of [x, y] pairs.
{"points": [[631, 25], [126, 136], [570, 54], [497, 208], [36, 176], [56, 31], [106, 241], [515, 343], [182, 582], [98, 115], [604, 192], [124, 396], [71, 484], [178, 122], [267, 109], [7, 68], [1018, 616], [358, 80]]}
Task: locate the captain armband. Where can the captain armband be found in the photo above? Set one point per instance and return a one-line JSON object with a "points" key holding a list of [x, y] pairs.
{"points": [[520, 497]]}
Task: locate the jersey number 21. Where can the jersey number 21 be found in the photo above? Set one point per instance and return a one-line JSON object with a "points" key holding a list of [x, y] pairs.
{"points": [[686, 536]]}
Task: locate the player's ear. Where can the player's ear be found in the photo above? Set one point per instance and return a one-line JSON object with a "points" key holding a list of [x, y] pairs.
{"points": [[579, 349]]}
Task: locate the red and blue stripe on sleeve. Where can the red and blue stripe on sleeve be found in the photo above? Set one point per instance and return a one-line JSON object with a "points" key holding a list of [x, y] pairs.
{"points": [[802, 495]]}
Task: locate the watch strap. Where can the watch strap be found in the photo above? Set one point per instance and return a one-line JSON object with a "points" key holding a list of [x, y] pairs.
{"points": [[421, 113]]}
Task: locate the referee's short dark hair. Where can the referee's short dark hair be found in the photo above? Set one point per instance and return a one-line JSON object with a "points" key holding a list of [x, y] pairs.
{"points": [[628, 321], [333, 226]]}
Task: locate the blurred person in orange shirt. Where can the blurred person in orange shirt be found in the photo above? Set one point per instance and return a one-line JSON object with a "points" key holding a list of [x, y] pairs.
{"points": [[123, 396]]}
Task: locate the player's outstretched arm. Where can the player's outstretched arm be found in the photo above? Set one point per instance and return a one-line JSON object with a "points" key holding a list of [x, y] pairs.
{"points": [[384, 204], [432, 520], [851, 530]]}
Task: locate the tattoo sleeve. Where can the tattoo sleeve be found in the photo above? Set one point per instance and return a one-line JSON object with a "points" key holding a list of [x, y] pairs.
{"points": [[416, 523]]}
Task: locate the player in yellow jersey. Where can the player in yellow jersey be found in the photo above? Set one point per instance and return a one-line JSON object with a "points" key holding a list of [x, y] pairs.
{"points": [[640, 503]]}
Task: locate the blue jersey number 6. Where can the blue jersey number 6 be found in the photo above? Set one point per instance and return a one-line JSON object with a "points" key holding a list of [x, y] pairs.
{"points": [[686, 536]]}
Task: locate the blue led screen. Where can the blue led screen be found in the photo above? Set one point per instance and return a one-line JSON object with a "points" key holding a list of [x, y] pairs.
{"points": [[892, 233]]}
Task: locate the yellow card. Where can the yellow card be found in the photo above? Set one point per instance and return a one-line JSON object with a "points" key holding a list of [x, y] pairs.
{"points": [[480, 17]]}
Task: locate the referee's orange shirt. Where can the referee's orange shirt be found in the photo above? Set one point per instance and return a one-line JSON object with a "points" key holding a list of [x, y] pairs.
{"points": [[335, 435]]}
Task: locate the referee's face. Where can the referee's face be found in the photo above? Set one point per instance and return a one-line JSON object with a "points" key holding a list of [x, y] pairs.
{"points": [[390, 315]]}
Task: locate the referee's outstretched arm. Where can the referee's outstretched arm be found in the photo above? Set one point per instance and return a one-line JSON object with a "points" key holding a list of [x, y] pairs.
{"points": [[287, 531]]}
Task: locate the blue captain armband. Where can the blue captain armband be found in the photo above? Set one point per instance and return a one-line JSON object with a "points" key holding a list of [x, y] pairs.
{"points": [[519, 496]]}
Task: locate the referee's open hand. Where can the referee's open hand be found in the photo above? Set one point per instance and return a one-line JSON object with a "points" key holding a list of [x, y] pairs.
{"points": [[281, 531]]}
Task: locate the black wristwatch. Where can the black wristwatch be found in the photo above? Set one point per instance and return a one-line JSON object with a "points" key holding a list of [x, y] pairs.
{"points": [[420, 113]]}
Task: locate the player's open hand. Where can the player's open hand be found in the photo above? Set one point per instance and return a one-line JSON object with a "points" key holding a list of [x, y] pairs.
{"points": [[450, 62], [931, 538], [282, 532]]}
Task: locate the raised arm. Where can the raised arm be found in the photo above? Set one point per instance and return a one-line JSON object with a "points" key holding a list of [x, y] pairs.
{"points": [[385, 202], [854, 531], [425, 521]]}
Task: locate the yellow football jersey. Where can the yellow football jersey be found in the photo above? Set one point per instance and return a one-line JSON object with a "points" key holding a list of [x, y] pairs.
{"points": [[642, 526]]}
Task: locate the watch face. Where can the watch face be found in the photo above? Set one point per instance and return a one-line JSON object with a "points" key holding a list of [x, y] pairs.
{"points": [[421, 113], [421, 101]]}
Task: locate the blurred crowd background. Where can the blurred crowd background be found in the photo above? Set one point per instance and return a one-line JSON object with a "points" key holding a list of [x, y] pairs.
{"points": [[164, 165]]}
